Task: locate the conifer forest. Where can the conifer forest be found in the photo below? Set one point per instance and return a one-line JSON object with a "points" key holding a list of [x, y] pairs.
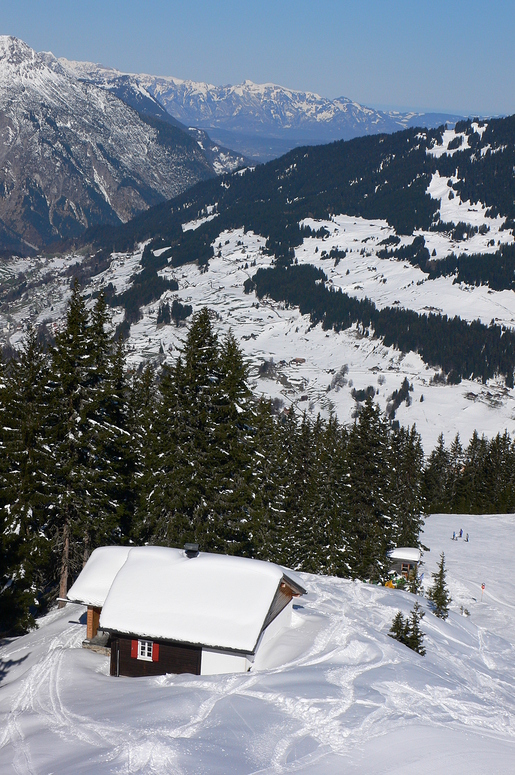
{"points": [[94, 453]]}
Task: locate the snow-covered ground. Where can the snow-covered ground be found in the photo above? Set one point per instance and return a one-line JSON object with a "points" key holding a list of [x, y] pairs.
{"points": [[306, 360], [336, 694]]}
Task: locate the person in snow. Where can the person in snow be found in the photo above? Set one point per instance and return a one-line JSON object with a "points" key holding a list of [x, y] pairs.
{"points": [[453, 535], [461, 533]]}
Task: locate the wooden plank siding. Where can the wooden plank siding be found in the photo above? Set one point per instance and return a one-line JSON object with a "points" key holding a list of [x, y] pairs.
{"points": [[93, 618], [173, 658], [280, 601]]}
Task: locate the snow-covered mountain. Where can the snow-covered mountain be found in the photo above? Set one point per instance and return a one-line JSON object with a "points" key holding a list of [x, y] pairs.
{"points": [[262, 121], [334, 695], [130, 90], [72, 154], [354, 203]]}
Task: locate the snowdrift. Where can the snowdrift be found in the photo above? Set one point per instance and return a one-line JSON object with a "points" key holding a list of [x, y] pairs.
{"points": [[335, 695]]}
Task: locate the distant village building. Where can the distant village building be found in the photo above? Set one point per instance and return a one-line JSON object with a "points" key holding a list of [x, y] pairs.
{"points": [[170, 610]]}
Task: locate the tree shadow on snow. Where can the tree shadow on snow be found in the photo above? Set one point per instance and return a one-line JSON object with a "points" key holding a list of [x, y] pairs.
{"points": [[7, 664]]}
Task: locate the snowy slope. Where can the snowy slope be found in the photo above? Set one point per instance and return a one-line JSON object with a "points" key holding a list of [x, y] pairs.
{"points": [[267, 331], [307, 360], [335, 695]]}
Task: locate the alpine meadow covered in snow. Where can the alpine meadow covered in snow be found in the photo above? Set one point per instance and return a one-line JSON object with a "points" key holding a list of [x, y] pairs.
{"points": [[257, 409]]}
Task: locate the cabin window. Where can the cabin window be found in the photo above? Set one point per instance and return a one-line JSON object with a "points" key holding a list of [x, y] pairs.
{"points": [[145, 650]]}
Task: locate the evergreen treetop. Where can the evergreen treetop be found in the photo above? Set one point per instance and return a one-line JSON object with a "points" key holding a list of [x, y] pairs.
{"points": [[438, 594]]}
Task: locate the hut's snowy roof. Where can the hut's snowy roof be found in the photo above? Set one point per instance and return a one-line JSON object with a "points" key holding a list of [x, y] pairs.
{"points": [[406, 553], [158, 592], [98, 574]]}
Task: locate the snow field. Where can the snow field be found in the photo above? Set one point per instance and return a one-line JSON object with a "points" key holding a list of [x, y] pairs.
{"points": [[267, 331], [335, 695], [306, 359]]}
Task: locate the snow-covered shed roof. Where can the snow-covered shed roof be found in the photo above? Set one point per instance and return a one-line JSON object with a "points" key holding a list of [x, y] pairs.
{"points": [[406, 553], [98, 574], [211, 600]]}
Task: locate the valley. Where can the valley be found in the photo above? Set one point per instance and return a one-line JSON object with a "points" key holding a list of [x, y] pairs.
{"points": [[291, 360]]}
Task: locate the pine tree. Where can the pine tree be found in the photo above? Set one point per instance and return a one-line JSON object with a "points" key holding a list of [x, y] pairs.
{"points": [[369, 495], [453, 493], [407, 631], [24, 478], [399, 628], [415, 636], [142, 410], [330, 499], [269, 484], [232, 452], [438, 594], [110, 456], [406, 468], [435, 478], [71, 361], [473, 497]]}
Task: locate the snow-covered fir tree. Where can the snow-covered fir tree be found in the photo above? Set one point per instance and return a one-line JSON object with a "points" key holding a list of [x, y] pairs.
{"points": [[438, 594]]}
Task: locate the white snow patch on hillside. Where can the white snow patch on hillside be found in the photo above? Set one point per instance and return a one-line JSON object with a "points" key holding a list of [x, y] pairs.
{"points": [[304, 362], [448, 136], [454, 210], [268, 331], [335, 694], [192, 225], [390, 282]]}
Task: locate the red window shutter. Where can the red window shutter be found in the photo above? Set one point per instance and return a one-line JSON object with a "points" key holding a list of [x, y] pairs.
{"points": [[155, 652], [134, 649]]}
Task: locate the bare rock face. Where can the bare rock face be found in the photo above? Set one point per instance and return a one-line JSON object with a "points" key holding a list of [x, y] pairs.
{"points": [[72, 154]]}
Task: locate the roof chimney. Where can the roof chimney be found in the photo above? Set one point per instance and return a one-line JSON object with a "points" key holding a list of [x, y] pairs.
{"points": [[191, 550]]}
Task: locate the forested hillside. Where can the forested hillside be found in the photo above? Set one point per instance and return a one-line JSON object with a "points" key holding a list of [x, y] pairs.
{"points": [[407, 181], [94, 453], [385, 177], [466, 350]]}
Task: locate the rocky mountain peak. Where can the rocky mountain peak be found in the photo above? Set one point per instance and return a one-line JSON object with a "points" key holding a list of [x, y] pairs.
{"points": [[14, 51], [72, 154]]}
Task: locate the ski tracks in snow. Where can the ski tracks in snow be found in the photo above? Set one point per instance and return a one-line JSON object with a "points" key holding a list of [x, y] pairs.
{"points": [[40, 695]]}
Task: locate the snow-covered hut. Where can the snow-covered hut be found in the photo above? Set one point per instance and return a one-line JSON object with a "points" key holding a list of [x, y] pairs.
{"points": [[174, 611], [404, 560]]}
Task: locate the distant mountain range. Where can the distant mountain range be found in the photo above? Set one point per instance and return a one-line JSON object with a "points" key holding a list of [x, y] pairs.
{"points": [[261, 121], [72, 154], [84, 145]]}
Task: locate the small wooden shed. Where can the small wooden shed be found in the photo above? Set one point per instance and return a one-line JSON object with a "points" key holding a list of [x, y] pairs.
{"points": [[174, 611], [404, 560]]}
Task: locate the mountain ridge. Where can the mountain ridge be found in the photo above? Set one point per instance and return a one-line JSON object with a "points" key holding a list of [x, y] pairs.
{"points": [[262, 121], [73, 154], [407, 244]]}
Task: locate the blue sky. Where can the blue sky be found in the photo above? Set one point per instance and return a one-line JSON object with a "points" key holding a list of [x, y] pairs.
{"points": [[452, 55]]}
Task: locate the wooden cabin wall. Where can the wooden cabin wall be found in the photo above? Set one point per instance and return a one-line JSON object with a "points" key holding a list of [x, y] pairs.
{"points": [[173, 658], [93, 618]]}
